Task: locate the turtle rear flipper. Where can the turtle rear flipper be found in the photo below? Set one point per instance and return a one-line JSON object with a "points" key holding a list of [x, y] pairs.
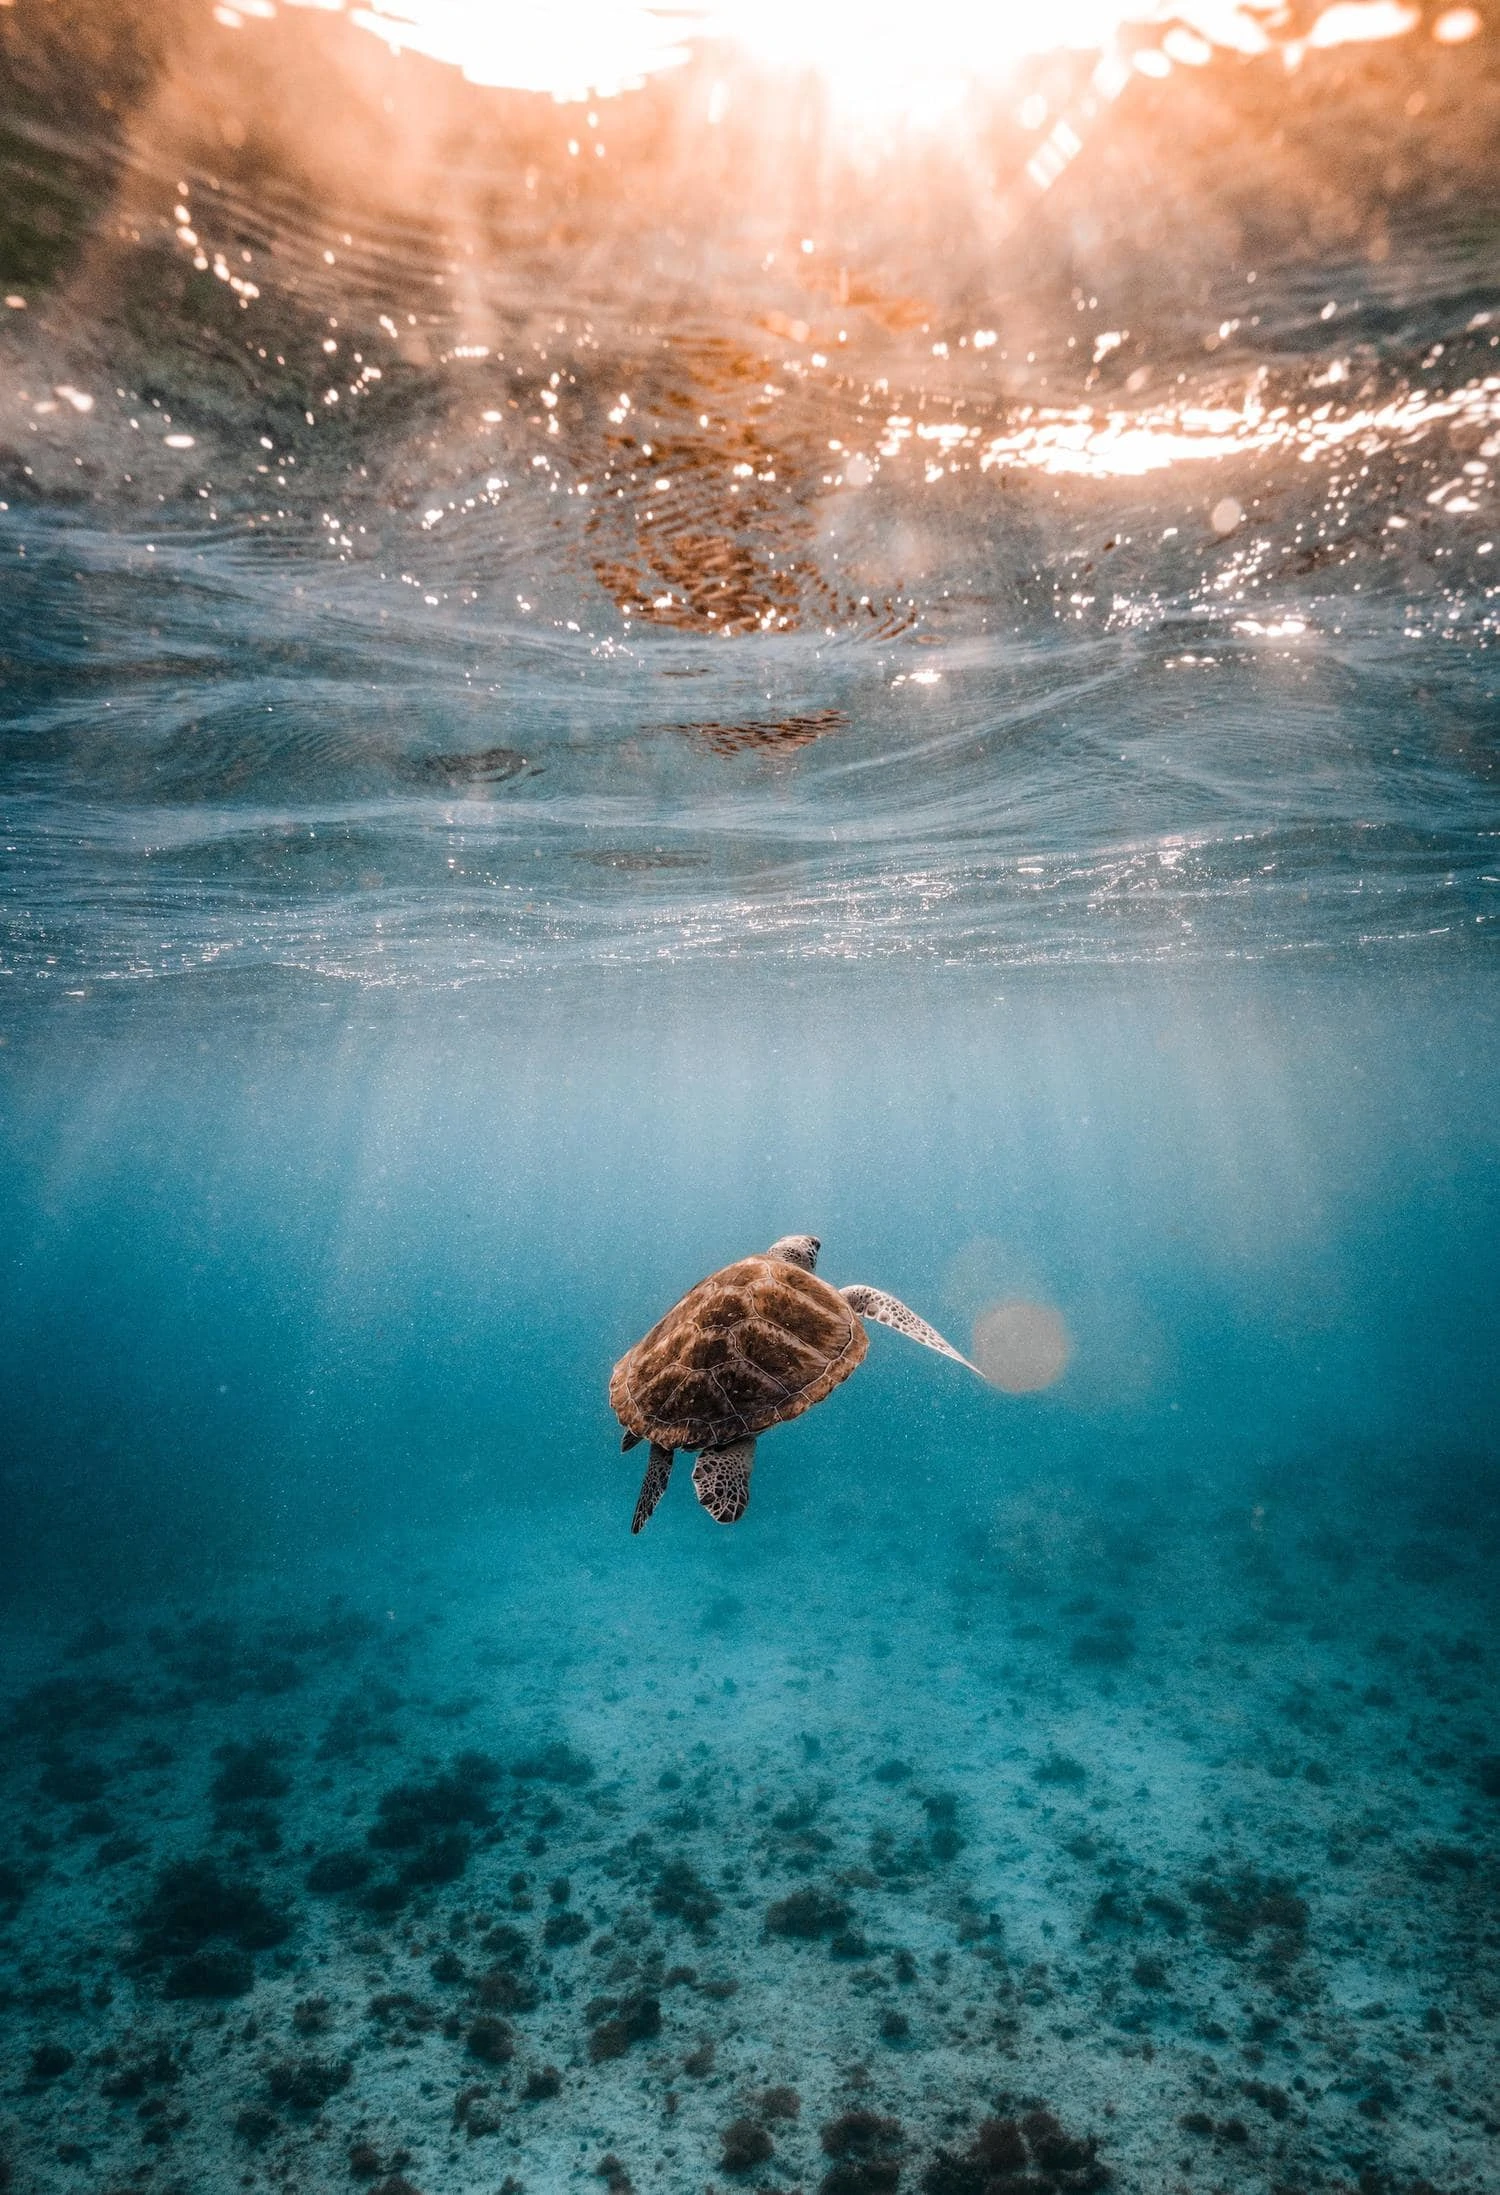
{"points": [[653, 1485], [721, 1480]]}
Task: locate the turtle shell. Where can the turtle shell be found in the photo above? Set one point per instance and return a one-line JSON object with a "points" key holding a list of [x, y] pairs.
{"points": [[753, 1345]]}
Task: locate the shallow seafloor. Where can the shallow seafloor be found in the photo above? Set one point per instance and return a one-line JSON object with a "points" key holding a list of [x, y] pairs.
{"points": [[1169, 1810]]}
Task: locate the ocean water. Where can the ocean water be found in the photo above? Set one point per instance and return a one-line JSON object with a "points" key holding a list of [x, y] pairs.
{"points": [[609, 653]]}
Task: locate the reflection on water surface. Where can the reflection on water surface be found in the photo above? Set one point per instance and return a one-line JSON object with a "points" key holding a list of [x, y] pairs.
{"points": [[366, 429]]}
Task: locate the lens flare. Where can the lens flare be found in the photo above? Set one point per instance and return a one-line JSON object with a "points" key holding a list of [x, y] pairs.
{"points": [[1021, 1347]]}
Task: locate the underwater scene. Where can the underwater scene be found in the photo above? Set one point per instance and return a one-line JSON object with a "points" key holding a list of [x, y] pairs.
{"points": [[749, 1052]]}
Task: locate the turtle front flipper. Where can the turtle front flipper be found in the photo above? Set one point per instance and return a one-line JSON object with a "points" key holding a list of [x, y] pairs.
{"points": [[721, 1480], [653, 1485], [874, 1303]]}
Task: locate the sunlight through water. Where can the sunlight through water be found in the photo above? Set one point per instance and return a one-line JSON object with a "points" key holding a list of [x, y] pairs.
{"points": [[877, 64], [627, 628]]}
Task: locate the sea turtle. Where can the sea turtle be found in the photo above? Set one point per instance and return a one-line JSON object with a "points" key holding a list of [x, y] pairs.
{"points": [[756, 1343]]}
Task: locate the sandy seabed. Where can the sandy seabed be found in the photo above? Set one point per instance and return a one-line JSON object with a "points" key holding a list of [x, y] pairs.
{"points": [[1142, 1836]]}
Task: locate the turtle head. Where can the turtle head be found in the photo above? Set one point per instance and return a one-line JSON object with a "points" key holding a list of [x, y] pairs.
{"points": [[797, 1250]]}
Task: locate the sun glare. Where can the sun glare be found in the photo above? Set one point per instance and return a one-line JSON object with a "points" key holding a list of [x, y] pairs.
{"points": [[590, 49], [879, 61], [882, 63]]}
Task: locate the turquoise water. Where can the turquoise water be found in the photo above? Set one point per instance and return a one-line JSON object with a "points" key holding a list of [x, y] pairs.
{"points": [[1020, 809]]}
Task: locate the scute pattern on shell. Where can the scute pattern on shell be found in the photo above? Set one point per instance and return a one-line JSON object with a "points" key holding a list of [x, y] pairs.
{"points": [[753, 1345]]}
